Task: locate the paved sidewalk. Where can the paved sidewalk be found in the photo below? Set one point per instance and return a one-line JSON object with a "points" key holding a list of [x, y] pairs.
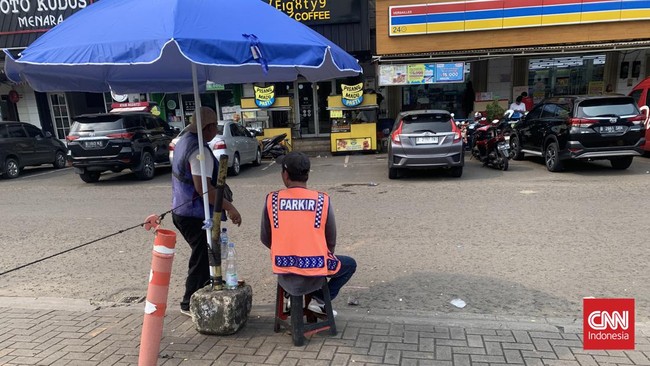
{"points": [[72, 332]]}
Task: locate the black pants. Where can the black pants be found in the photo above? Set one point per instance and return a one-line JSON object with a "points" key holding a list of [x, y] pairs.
{"points": [[198, 272]]}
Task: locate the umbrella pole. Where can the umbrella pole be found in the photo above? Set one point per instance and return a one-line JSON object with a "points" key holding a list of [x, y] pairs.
{"points": [[204, 179]]}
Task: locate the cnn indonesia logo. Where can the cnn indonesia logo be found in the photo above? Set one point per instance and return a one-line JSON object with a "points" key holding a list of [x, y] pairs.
{"points": [[608, 323]]}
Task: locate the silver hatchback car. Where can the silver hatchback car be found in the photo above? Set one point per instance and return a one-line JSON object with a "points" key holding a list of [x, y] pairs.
{"points": [[234, 140], [425, 139]]}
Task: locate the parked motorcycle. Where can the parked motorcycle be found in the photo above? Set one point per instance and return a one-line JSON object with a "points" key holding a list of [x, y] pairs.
{"points": [[507, 125], [478, 121], [490, 146], [272, 147]]}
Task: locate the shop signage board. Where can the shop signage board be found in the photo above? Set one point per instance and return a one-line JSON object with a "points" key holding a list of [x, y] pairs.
{"points": [[317, 12], [352, 95], [210, 86], [416, 74], [21, 22], [464, 16], [353, 144], [264, 96]]}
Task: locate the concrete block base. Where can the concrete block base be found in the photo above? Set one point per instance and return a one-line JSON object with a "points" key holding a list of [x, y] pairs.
{"points": [[221, 312]]}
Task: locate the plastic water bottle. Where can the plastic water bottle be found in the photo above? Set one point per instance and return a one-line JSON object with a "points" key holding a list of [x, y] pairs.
{"points": [[223, 239], [231, 268]]}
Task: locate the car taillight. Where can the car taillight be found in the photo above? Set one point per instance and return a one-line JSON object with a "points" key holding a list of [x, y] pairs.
{"points": [[125, 135], [581, 122], [219, 145], [172, 146], [637, 120], [395, 135], [71, 138], [457, 134]]}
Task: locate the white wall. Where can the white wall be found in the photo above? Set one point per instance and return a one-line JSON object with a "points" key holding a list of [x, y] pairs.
{"points": [[27, 110], [500, 78], [625, 85]]}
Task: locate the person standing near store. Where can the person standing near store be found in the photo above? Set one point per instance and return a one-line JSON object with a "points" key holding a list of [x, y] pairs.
{"points": [[528, 101], [187, 199], [298, 226], [467, 102], [518, 105]]}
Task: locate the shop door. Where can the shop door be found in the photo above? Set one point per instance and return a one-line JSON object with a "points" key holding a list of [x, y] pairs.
{"points": [[307, 122]]}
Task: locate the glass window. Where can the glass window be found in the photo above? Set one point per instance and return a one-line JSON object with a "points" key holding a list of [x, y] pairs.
{"points": [[434, 122], [16, 131], [636, 95], [535, 113], [234, 131], [152, 123], [61, 117], [33, 131], [549, 111], [604, 107]]}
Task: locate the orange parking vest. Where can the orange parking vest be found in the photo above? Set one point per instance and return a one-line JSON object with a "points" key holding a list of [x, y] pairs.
{"points": [[298, 246]]}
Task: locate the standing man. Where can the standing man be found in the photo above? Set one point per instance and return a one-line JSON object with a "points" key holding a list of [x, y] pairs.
{"points": [[298, 226], [187, 199], [528, 101]]}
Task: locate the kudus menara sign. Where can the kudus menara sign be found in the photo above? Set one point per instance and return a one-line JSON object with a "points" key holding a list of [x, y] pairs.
{"points": [[22, 21]]}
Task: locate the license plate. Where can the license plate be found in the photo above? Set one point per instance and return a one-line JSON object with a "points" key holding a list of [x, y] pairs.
{"points": [[426, 140], [502, 147], [93, 144], [611, 129]]}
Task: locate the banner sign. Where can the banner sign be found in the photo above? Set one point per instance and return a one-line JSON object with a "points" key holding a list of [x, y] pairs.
{"points": [[353, 144], [465, 16], [352, 95], [264, 97], [317, 12], [21, 22], [417, 74]]}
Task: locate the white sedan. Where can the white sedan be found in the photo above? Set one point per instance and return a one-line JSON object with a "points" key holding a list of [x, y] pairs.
{"points": [[233, 140]]}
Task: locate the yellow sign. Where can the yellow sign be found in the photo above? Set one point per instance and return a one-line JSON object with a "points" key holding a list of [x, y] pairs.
{"points": [[336, 114], [264, 97], [352, 95], [415, 74], [357, 144]]}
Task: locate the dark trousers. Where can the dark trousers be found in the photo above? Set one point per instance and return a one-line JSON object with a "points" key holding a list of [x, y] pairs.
{"points": [[340, 278], [198, 272]]}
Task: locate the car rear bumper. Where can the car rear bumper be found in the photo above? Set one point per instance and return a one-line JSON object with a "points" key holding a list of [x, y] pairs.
{"points": [[427, 161], [103, 163], [575, 150]]}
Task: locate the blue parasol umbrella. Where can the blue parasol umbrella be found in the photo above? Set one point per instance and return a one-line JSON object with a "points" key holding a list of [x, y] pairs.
{"points": [[130, 46]]}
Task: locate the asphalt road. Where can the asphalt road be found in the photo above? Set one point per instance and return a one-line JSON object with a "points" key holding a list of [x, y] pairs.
{"points": [[522, 242]]}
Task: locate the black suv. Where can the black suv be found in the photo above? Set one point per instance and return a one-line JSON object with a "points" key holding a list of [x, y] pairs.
{"points": [[118, 141], [22, 144], [579, 127]]}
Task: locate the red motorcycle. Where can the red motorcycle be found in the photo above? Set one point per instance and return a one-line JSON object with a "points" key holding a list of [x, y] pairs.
{"points": [[490, 146]]}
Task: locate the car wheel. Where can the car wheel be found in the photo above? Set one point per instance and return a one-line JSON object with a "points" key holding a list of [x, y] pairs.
{"points": [[621, 163], [148, 170], [236, 165], [258, 158], [456, 171], [515, 148], [59, 160], [552, 157], [393, 173], [11, 170], [90, 177]]}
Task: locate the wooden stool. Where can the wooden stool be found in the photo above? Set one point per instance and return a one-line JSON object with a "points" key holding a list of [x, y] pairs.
{"points": [[299, 310]]}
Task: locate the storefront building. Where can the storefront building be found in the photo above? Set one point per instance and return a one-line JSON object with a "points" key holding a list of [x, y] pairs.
{"points": [[505, 47], [346, 23]]}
